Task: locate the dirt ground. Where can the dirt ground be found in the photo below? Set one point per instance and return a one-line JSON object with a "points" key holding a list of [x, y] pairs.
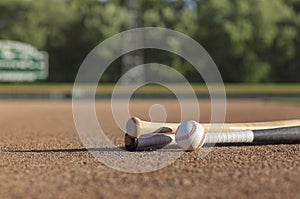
{"points": [[41, 156]]}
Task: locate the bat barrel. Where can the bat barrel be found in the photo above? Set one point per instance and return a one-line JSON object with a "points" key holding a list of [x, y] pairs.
{"points": [[149, 141], [279, 135], [131, 143], [136, 127]]}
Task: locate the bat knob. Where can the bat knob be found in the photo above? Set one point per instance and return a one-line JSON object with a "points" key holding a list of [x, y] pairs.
{"points": [[131, 142]]}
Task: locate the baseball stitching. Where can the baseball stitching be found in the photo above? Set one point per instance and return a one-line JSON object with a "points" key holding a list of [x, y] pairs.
{"points": [[192, 132]]}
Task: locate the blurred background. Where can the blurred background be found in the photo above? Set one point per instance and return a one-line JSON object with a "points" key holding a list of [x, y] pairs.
{"points": [[254, 41], [250, 41]]}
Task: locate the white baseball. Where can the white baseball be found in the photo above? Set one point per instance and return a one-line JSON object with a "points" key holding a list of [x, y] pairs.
{"points": [[190, 135]]}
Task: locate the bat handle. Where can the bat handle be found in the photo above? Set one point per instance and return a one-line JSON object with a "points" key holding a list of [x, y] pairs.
{"points": [[229, 137], [279, 135]]}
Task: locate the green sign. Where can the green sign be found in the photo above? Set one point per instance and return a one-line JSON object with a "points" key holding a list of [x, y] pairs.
{"points": [[20, 62]]}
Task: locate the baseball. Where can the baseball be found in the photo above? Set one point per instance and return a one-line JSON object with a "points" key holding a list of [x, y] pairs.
{"points": [[190, 135]]}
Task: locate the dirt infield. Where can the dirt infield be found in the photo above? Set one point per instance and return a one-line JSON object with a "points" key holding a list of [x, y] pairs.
{"points": [[41, 156]]}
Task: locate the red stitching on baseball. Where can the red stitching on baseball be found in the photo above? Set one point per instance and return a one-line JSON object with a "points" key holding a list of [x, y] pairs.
{"points": [[192, 132], [202, 140]]}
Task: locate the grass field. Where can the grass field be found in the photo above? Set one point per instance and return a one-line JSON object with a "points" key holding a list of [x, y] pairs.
{"points": [[108, 88]]}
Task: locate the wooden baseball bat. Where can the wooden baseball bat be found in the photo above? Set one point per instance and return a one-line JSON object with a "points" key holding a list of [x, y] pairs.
{"points": [[136, 127]]}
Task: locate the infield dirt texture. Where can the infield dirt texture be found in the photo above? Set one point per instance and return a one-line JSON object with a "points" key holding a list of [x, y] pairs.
{"points": [[41, 156]]}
